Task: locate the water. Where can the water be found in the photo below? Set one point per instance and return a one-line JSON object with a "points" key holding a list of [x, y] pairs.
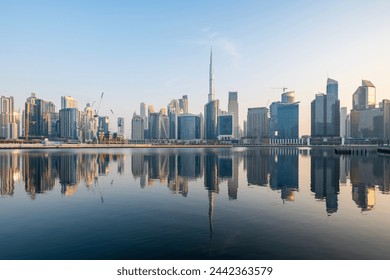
{"points": [[284, 203]]}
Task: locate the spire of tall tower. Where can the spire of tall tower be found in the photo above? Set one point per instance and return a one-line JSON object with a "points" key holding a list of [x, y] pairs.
{"points": [[211, 80]]}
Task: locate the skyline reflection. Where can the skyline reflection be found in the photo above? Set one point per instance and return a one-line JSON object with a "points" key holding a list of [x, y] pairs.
{"points": [[276, 169]]}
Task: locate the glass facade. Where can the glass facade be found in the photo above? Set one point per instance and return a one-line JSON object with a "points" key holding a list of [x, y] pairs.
{"points": [[189, 127], [284, 117], [258, 123], [386, 119], [364, 97], [288, 121], [68, 123], [367, 123], [225, 125], [325, 112], [211, 119], [233, 109], [137, 128]]}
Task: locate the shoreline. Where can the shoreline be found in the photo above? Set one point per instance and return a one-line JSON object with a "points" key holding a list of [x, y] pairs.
{"points": [[21, 146]]}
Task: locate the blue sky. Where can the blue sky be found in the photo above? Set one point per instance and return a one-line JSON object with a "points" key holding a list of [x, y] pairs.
{"points": [[154, 51]]}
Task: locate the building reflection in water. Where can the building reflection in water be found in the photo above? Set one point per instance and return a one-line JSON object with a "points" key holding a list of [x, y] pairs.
{"points": [[69, 173], [257, 166], [40, 172], [276, 168], [325, 177], [10, 171], [284, 172], [367, 173], [139, 168]]}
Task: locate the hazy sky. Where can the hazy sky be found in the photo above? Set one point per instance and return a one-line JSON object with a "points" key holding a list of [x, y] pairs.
{"points": [[154, 51]]}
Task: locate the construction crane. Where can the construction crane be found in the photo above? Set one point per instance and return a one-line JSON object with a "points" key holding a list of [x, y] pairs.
{"points": [[282, 88], [119, 123], [96, 115], [100, 102]]}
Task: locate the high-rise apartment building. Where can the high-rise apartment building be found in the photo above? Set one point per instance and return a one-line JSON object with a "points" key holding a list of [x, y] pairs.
{"points": [[68, 102], [144, 114], [69, 123], [104, 124], [257, 123], [137, 127], [36, 113], [70, 118], [158, 125], [9, 119], [173, 110], [89, 124], [121, 126], [234, 111]]}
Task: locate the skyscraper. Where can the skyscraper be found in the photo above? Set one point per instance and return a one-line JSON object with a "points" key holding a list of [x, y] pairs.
{"points": [[211, 96], [386, 120], [211, 119], [173, 110], [366, 120], [9, 123], [332, 108], [68, 123], [69, 118], [89, 124], [211, 108], [158, 125], [143, 114], [233, 109], [137, 127], [68, 102], [364, 97], [325, 112], [343, 122], [121, 126], [284, 121], [104, 124], [189, 127], [257, 123], [225, 127], [183, 104], [35, 113]]}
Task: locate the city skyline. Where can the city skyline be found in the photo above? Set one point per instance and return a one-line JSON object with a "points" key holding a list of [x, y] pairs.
{"points": [[257, 47]]}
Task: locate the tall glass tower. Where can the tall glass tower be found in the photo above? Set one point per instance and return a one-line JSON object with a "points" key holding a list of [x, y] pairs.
{"points": [[211, 108], [325, 112], [233, 109]]}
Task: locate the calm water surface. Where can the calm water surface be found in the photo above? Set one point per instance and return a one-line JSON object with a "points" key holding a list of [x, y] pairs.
{"points": [[283, 203]]}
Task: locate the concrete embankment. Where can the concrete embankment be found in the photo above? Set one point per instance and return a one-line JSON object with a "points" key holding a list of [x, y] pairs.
{"points": [[103, 146]]}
